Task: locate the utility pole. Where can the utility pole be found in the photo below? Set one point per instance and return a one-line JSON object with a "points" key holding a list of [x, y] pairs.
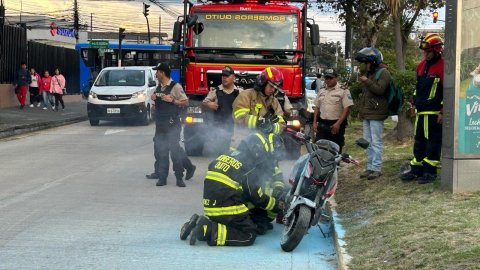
{"points": [[91, 25], [121, 36], [75, 19], [145, 13], [336, 55], [160, 30]]}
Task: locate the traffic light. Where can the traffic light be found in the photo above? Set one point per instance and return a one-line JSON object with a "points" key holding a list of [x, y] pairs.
{"points": [[145, 9], [435, 17], [121, 34]]}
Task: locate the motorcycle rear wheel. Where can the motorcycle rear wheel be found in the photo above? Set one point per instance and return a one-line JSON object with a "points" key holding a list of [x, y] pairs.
{"points": [[293, 233]]}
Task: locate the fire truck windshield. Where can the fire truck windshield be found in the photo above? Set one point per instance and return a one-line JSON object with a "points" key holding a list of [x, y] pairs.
{"points": [[247, 31]]}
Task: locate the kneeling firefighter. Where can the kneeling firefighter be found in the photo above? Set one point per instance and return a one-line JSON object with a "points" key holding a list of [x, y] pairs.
{"points": [[228, 184]]}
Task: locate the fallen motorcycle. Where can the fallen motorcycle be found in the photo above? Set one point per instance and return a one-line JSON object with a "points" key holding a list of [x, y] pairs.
{"points": [[314, 180]]}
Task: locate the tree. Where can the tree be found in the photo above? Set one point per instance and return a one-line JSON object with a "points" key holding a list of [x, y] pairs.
{"points": [[404, 14]]}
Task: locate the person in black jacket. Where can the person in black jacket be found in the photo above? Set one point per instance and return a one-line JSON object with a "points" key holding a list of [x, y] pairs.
{"points": [[21, 81], [229, 184]]}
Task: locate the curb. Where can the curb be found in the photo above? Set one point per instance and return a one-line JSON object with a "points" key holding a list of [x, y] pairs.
{"points": [[18, 130], [338, 236]]}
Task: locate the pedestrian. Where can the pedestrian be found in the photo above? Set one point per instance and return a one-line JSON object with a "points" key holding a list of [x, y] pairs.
{"points": [[373, 108], [56, 88], [21, 81], [220, 100], [427, 107], [333, 102], [93, 76], [318, 83], [251, 105], [228, 185], [34, 88], [169, 97], [45, 90]]}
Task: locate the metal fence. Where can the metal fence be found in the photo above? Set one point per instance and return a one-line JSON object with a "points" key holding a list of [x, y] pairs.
{"points": [[13, 51], [44, 57]]}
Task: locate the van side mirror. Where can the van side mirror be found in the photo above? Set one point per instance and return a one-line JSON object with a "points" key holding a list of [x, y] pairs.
{"points": [[152, 84], [176, 48], [362, 143], [314, 34], [177, 31], [316, 50]]}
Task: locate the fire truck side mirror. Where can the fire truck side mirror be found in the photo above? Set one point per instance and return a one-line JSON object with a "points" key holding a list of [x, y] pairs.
{"points": [[314, 34], [177, 32], [198, 28], [316, 50], [191, 20], [176, 48]]}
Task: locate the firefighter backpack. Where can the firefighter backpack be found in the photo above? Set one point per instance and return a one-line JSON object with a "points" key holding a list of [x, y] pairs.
{"points": [[395, 96]]}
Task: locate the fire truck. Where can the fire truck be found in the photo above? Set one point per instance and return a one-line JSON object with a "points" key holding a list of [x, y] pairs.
{"points": [[249, 36]]}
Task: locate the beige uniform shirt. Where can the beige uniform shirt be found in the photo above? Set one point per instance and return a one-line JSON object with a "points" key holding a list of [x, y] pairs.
{"points": [[332, 102], [177, 91], [286, 104], [212, 95]]}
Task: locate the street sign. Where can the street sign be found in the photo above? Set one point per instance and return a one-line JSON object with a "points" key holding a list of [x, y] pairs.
{"points": [[99, 44]]}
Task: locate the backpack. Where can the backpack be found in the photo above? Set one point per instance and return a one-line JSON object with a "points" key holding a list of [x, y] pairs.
{"points": [[395, 96]]}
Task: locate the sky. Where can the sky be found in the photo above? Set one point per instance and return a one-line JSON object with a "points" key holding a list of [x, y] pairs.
{"points": [[109, 15]]}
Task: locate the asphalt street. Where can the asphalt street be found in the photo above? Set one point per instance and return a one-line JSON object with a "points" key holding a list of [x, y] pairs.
{"points": [[77, 198]]}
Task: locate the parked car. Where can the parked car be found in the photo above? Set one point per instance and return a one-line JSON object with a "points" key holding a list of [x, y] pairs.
{"points": [[121, 93]]}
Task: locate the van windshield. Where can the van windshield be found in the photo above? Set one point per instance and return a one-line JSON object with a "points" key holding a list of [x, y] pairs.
{"points": [[121, 78]]}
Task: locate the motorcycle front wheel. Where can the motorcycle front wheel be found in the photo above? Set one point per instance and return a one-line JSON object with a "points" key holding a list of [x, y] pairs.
{"points": [[293, 232]]}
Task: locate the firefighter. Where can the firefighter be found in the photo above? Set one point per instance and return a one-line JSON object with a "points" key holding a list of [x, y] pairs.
{"points": [[251, 107], [427, 106], [169, 97], [220, 100], [229, 183]]}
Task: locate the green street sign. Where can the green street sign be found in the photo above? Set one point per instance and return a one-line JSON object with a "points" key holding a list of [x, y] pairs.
{"points": [[99, 44]]}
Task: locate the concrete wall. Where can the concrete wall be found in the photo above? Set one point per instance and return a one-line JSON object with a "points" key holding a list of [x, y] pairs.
{"points": [[9, 99]]}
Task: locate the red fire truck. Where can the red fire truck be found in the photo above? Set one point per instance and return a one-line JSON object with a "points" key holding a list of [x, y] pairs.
{"points": [[249, 36]]}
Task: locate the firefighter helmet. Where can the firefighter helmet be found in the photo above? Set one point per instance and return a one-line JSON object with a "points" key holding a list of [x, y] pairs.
{"points": [[432, 42], [370, 54], [262, 147], [271, 75]]}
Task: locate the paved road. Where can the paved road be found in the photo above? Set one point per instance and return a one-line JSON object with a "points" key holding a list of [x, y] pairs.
{"points": [[76, 198]]}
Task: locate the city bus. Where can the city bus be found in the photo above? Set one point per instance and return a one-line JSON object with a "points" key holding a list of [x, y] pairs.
{"points": [[133, 55]]}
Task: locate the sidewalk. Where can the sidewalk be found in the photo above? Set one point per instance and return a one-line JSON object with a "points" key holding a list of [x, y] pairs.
{"points": [[15, 121]]}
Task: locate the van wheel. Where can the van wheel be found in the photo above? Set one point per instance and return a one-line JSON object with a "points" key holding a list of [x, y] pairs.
{"points": [[94, 122], [146, 118]]}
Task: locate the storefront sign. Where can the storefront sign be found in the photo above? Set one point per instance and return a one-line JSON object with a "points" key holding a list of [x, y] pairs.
{"points": [[54, 30]]}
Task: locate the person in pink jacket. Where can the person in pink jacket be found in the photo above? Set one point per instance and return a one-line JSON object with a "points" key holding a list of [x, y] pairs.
{"points": [[45, 90], [56, 88]]}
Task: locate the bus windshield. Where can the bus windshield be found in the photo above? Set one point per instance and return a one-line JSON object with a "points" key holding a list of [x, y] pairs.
{"points": [[247, 31], [121, 78]]}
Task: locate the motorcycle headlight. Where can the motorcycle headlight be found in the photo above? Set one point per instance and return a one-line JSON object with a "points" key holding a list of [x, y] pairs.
{"points": [[139, 95], [92, 94], [194, 110], [294, 113]]}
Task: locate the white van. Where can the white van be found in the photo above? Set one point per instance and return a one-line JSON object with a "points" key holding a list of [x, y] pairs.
{"points": [[122, 93]]}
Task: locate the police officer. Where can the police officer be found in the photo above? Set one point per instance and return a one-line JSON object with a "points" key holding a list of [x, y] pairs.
{"points": [[169, 97], [427, 106], [220, 101], [334, 103], [228, 185]]}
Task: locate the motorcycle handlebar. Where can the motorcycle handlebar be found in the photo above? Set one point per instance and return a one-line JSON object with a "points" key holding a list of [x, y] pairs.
{"points": [[298, 135]]}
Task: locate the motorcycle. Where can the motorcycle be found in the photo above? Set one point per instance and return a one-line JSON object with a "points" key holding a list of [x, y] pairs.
{"points": [[314, 180]]}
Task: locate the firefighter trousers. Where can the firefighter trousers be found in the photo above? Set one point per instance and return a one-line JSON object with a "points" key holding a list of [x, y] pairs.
{"points": [[428, 144], [236, 230]]}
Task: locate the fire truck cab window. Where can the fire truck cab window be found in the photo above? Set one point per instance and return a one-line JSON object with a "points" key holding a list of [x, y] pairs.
{"points": [[234, 30]]}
